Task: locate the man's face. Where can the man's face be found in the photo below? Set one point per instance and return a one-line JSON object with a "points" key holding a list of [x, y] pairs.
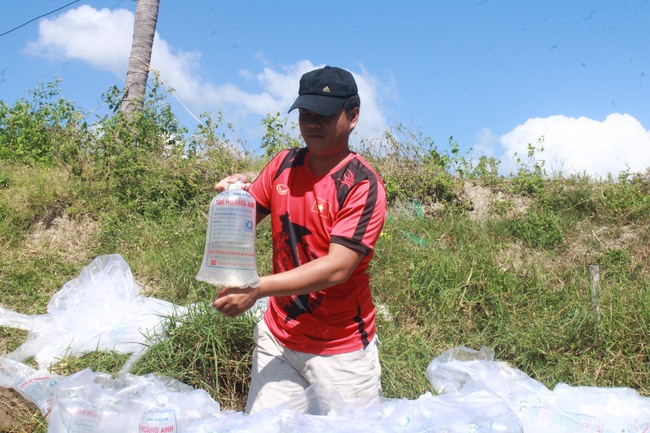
{"points": [[326, 135]]}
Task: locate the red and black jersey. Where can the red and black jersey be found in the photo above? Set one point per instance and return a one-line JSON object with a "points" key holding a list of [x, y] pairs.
{"points": [[345, 206]]}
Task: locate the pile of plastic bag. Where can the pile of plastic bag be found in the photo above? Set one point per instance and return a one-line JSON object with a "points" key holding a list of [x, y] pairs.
{"points": [[472, 393], [101, 310], [470, 374], [477, 395]]}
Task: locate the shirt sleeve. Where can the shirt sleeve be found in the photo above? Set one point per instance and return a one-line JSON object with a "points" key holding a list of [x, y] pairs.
{"points": [[361, 218], [261, 187]]}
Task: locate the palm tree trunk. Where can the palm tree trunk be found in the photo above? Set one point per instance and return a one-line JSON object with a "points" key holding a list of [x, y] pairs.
{"points": [[144, 29]]}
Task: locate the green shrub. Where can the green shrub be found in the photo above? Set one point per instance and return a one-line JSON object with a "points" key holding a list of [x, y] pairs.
{"points": [[571, 197], [539, 228], [276, 137], [625, 200], [39, 130], [413, 168]]}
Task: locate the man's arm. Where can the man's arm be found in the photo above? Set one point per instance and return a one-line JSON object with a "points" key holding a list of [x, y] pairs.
{"points": [[318, 274]]}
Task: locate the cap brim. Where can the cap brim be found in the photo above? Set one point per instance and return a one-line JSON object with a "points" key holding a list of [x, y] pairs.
{"points": [[323, 105]]}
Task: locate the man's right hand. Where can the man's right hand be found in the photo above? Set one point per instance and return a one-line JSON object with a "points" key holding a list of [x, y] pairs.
{"points": [[222, 185], [233, 301]]}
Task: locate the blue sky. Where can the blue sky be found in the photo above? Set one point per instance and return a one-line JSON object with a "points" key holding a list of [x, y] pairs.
{"points": [[495, 75]]}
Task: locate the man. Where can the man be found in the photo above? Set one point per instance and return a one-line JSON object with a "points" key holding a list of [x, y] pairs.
{"points": [[327, 208]]}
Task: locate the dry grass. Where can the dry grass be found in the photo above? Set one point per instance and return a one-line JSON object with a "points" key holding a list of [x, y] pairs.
{"points": [[16, 413], [70, 239]]}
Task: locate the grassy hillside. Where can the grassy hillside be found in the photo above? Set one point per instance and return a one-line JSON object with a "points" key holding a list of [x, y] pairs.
{"points": [[471, 258]]}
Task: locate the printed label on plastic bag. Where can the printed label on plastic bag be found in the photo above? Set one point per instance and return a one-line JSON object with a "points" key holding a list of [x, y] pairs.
{"points": [[158, 421], [39, 390], [84, 418]]}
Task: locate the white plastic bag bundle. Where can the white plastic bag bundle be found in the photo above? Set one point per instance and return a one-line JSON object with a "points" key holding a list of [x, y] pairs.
{"points": [[95, 402], [571, 409], [465, 372], [478, 412], [265, 421], [100, 310], [336, 424], [462, 370], [282, 419]]}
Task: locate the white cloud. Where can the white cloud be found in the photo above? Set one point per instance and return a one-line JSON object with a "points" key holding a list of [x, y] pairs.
{"points": [[486, 141], [177, 69], [372, 121], [102, 38], [581, 145], [280, 88]]}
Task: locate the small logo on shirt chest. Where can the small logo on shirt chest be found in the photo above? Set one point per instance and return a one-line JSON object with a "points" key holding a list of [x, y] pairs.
{"points": [[282, 189]]}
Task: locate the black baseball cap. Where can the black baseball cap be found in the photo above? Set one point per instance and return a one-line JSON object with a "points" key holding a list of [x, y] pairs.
{"points": [[324, 90]]}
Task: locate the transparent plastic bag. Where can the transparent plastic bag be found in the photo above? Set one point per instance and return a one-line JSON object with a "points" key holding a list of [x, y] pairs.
{"points": [[230, 257], [462, 370], [336, 424], [97, 402], [102, 309], [265, 421], [586, 409], [36, 386], [466, 373], [477, 412]]}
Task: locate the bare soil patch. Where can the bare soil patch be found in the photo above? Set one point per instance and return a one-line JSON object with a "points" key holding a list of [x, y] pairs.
{"points": [[71, 238], [14, 410], [484, 202]]}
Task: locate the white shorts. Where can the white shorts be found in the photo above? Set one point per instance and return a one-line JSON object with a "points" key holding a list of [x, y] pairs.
{"points": [[280, 375]]}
